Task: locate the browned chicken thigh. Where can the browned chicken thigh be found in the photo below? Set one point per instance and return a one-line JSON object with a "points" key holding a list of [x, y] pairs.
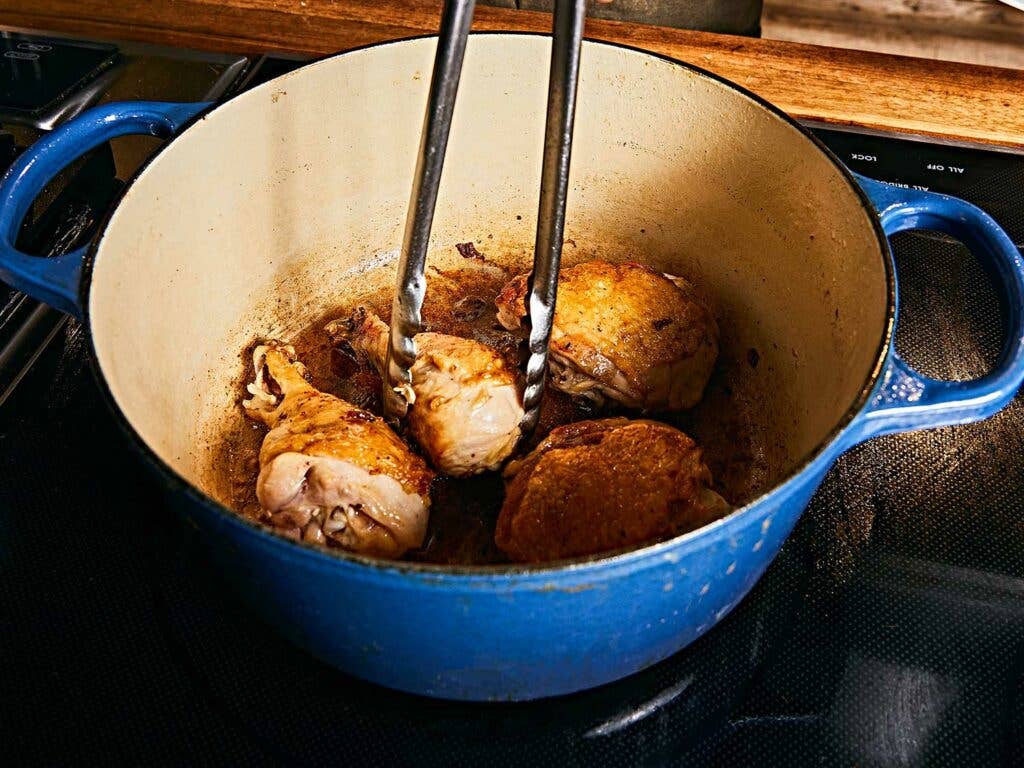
{"points": [[625, 332], [465, 402], [596, 486], [331, 472]]}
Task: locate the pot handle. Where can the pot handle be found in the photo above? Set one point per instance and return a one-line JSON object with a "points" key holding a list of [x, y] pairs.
{"points": [[907, 400], [55, 280]]}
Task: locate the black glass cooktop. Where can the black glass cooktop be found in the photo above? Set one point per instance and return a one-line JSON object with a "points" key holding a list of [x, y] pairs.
{"points": [[37, 72], [889, 632]]}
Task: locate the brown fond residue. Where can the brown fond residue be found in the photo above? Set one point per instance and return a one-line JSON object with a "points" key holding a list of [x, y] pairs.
{"points": [[738, 445]]}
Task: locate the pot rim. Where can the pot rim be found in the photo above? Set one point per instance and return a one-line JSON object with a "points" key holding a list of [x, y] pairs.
{"points": [[449, 574]]}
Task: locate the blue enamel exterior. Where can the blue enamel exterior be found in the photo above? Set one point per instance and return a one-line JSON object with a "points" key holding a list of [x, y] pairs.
{"points": [[525, 633], [55, 281], [907, 400]]}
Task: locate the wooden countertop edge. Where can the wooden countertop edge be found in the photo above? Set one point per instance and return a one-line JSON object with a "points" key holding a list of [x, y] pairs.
{"points": [[950, 101]]}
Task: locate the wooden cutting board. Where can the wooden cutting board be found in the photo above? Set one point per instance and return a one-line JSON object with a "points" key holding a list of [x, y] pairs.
{"points": [[958, 102]]}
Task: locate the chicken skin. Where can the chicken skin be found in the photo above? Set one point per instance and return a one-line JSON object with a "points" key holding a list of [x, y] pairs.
{"points": [[601, 485], [465, 401], [624, 332], [331, 472]]}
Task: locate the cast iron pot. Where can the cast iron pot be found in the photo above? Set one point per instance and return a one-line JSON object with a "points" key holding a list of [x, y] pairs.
{"points": [[264, 211]]}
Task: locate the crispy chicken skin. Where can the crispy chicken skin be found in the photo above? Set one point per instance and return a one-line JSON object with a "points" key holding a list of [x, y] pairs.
{"points": [[330, 471], [625, 332], [466, 404], [601, 485]]}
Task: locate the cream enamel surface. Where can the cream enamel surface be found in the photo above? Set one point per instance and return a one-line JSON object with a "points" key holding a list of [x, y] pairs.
{"points": [[266, 212]]}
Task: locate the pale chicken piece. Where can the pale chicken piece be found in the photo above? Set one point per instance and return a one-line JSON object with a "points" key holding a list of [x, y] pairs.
{"points": [[603, 485], [330, 471], [465, 401], [624, 332]]}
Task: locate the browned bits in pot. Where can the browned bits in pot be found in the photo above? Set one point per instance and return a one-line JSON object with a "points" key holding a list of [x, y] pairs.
{"points": [[344, 360], [469, 308], [469, 251]]}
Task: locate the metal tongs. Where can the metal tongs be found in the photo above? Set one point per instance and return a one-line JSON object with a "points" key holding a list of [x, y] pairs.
{"points": [[406, 320]]}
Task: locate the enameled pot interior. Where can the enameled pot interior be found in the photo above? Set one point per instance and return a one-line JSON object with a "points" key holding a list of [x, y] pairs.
{"points": [[290, 200]]}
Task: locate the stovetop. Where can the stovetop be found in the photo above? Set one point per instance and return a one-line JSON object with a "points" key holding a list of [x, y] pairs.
{"points": [[889, 632]]}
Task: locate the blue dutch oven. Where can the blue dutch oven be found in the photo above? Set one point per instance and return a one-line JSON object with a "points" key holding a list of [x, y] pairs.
{"points": [[287, 201]]}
